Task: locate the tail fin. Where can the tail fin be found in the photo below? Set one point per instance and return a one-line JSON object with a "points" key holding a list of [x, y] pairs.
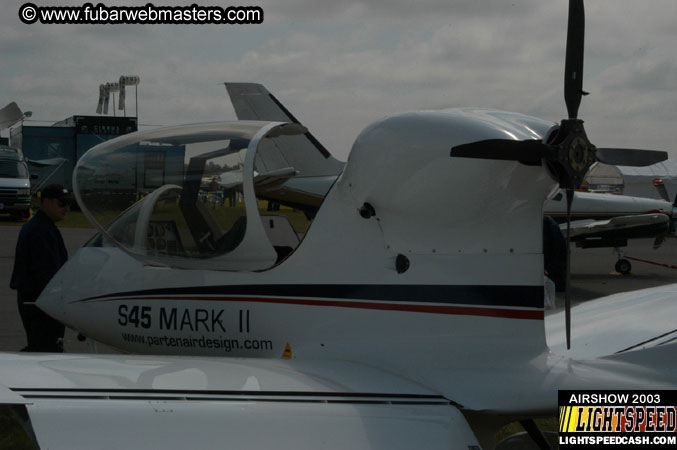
{"points": [[9, 115], [304, 153]]}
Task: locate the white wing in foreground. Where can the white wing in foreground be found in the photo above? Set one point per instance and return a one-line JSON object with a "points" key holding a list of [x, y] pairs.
{"points": [[120, 401], [617, 324]]}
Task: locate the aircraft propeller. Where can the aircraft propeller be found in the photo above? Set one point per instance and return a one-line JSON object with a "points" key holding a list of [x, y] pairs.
{"points": [[567, 152]]}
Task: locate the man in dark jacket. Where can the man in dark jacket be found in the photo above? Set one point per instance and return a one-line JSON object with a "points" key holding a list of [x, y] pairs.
{"points": [[40, 252]]}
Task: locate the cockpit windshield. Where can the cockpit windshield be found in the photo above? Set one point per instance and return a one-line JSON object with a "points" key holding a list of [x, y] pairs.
{"points": [[186, 196]]}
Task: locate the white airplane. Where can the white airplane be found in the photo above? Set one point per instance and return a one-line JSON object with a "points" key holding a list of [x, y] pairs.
{"points": [[409, 316]]}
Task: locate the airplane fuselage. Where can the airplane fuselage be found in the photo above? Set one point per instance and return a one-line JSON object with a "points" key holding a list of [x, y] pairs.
{"points": [[369, 288], [391, 274]]}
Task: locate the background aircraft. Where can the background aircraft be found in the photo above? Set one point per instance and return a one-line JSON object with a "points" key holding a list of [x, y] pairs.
{"points": [[609, 220], [316, 169], [407, 317]]}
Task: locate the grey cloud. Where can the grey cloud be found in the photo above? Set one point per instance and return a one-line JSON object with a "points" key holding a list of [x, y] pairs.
{"points": [[401, 9], [339, 66], [660, 76]]}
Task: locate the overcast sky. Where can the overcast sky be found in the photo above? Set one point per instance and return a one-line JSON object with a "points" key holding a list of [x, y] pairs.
{"points": [[338, 66]]}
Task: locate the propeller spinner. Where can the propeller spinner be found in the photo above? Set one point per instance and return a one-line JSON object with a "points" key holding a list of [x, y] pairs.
{"points": [[568, 152]]}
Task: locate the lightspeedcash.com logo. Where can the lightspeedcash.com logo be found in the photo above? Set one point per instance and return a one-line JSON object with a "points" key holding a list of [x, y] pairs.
{"points": [[88, 13], [589, 419]]}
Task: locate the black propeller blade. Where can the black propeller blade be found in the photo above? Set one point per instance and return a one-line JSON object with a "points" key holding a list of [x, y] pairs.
{"points": [[567, 298], [629, 157], [573, 67], [568, 153], [528, 152]]}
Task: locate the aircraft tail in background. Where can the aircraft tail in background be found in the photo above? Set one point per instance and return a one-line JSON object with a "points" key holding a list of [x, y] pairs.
{"points": [[305, 153]]}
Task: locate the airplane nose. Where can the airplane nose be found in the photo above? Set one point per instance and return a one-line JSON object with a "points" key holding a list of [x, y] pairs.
{"points": [[51, 299]]}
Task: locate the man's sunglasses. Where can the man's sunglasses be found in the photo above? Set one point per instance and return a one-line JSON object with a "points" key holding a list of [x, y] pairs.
{"points": [[63, 203]]}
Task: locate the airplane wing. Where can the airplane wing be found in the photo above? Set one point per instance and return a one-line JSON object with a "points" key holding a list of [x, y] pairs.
{"points": [[581, 228], [114, 401], [274, 178], [609, 325], [262, 181], [616, 231]]}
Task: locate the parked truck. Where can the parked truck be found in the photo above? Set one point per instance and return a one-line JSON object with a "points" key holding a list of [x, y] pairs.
{"points": [[15, 183]]}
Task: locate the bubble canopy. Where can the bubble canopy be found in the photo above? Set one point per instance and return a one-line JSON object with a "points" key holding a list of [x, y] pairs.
{"points": [[183, 196]]}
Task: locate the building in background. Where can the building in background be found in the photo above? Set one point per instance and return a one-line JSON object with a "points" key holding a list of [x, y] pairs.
{"points": [[67, 140]]}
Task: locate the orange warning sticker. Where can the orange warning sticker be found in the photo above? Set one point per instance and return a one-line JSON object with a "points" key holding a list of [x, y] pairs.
{"points": [[287, 352]]}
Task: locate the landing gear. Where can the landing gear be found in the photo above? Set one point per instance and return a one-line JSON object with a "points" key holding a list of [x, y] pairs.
{"points": [[623, 266]]}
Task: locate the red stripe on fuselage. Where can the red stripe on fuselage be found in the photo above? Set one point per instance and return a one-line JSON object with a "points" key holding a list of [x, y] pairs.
{"points": [[530, 314]]}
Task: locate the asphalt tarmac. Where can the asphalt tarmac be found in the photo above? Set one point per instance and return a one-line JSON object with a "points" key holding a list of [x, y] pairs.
{"points": [[592, 276]]}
